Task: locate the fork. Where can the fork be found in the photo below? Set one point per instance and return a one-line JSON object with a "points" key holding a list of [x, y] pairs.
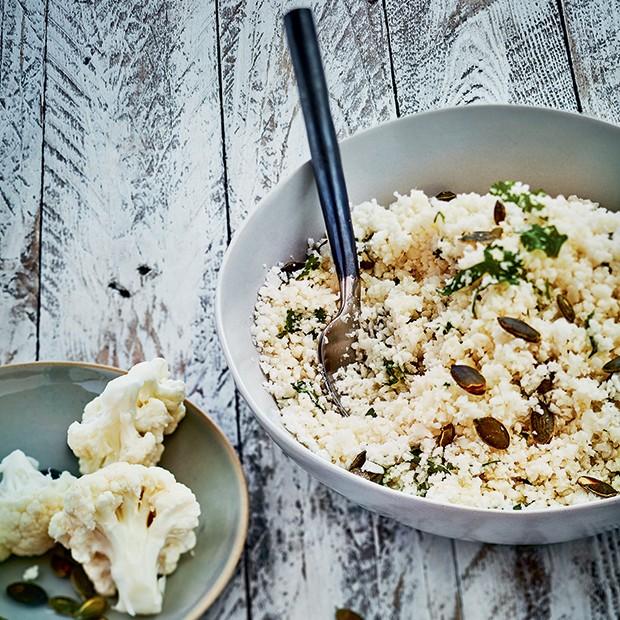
{"points": [[337, 339]]}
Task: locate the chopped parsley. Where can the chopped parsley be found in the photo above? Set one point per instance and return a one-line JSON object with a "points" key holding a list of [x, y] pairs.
{"points": [[371, 413], [302, 387], [490, 463], [433, 468], [499, 264], [447, 328], [527, 201], [546, 238], [518, 507], [593, 342], [437, 216], [312, 262], [320, 314], [394, 372], [291, 323]]}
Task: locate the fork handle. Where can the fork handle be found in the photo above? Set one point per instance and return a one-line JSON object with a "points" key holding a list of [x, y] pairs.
{"points": [[326, 163]]}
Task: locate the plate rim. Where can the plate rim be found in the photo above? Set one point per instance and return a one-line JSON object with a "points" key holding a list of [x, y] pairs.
{"points": [[207, 599]]}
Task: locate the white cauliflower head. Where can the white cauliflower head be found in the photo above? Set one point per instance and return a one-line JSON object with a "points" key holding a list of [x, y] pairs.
{"points": [[28, 500], [127, 524], [128, 421]]}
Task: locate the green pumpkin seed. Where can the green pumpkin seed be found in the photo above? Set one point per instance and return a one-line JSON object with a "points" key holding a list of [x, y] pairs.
{"points": [[358, 461], [469, 379], [446, 196], [64, 605], [446, 435], [518, 328], [347, 614], [598, 487], [27, 593], [543, 424], [492, 432], [566, 308], [81, 583], [92, 609], [612, 366], [483, 236], [499, 212]]}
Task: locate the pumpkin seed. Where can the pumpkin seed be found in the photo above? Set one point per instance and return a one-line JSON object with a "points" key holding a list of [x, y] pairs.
{"points": [[499, 212], [27, 593], [492, 432], [612, 366], [446, 435], [61, 565], [483, 236], [543, 424], [292, 266], [64, 605], [469, 379], [598, 487], [92, 609], [347, 614], [367, 475], [446, 196], [546, 385], [358, 461], [566, 308], [519, 328], [81, 582]]}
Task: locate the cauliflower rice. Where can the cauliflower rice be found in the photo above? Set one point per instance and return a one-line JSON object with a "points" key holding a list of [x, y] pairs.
{"points": [[436, 273]]}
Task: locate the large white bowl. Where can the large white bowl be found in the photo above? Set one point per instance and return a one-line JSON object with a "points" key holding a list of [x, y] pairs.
{"points": [[461, 149]]}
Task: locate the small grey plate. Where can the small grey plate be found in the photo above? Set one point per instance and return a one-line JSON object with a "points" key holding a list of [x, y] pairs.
{"points": [[38, 401]]}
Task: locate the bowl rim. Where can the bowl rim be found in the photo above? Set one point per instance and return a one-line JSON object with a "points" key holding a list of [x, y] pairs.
{"points": [[208, 598], [303, 453]]}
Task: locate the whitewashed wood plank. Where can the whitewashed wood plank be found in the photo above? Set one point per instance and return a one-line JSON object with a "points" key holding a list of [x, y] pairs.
{"points": [[311, 551], [448, 52], [134, 213], [593, 32], [22, 43]]}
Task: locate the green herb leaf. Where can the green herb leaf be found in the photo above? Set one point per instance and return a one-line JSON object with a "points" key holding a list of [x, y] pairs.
{"points": [[546, 238], [526, 200], [490, 463], [291, 323], [320, 314], [518, 507], [371, 413], [394, 372], [438, 215], [447, 328], [500, 264], [593, 343], [312, 262], [303, 387], [433, 468]]}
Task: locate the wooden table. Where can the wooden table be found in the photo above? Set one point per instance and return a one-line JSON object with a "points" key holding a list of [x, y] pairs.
{"points": [[135, 137]]}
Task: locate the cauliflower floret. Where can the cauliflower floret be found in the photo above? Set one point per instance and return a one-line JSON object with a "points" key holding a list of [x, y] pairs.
{"points": [[28, 499], [128, 421], [127, 524]]}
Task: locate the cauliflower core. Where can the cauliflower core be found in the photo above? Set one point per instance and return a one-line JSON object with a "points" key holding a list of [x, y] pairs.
{"points": [[127, 524], [128, 421], [28, 499]]}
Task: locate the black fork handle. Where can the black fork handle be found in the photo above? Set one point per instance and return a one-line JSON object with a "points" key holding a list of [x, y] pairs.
{"points": [[326, 163]]}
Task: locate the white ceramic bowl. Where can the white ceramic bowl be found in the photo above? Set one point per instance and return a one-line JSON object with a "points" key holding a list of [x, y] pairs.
{"points": [[461, 149]]}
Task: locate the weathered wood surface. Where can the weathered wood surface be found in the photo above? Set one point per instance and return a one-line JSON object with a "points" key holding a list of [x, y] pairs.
{"points": [[593, 34], [164, 122], [22, 70]]}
